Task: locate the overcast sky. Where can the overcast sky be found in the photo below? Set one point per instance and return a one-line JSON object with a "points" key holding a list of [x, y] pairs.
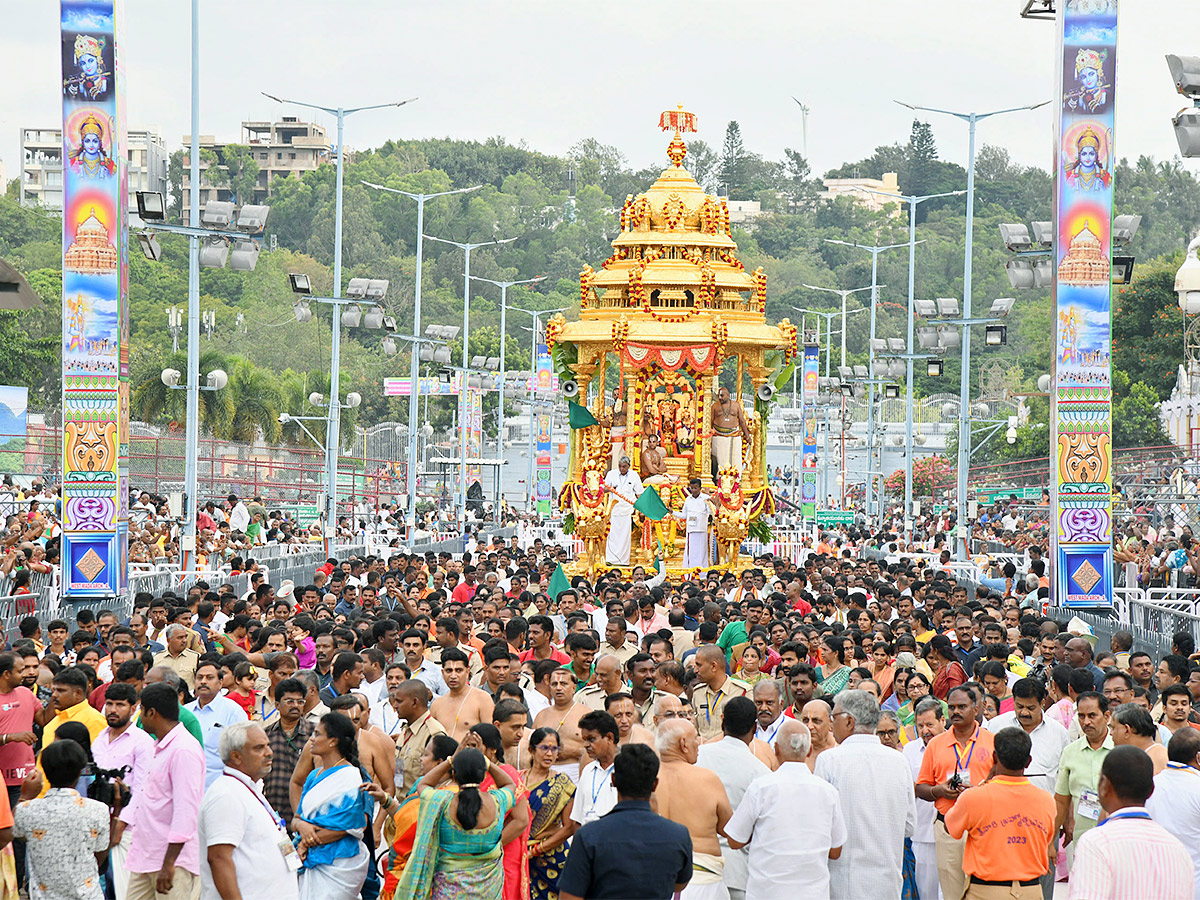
{"points": [[548, 73]]}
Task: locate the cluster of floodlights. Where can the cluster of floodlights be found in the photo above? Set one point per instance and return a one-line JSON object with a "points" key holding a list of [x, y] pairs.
{"points": [[1032, 266], [367, 314], [480, 373], [233, 243], [1185, 72]]}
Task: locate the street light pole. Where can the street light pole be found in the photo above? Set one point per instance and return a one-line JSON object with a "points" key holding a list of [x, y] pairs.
{"points": [[415, 365], [536, 314], [843, 294], [332, 433], [913, 202], [964, 396], [187, 542], [873, 504], [466, 247]]}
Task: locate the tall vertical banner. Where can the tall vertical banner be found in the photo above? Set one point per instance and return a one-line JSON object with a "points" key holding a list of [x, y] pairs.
{"points": [[543, 489], [1081, 399], [95, 314], [474, 435], [808, 456]]}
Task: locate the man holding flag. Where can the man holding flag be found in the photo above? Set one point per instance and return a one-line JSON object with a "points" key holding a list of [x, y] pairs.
{"points": [[625, 485]]}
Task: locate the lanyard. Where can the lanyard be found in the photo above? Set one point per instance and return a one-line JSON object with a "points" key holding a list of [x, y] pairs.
{"points": [[957, 759], [1131, 814], [275, 817], [264, 712], [770, 736], [383, 718], [713, 701], [603, 778], [1183, 766]]}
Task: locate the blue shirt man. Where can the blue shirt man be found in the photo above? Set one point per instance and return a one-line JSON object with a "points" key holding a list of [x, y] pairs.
{"points": [[214, 713]]}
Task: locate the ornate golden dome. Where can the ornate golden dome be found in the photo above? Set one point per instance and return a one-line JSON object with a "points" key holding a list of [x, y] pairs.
{"points": [[1084, 262]]}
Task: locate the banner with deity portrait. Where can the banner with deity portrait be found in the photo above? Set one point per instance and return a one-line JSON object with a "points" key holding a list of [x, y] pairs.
{"points": [[1081, 396], [95, 333], [810, 371]]}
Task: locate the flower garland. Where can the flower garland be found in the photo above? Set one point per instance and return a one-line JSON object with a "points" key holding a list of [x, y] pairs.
{"points": [[585, 285], [618, 255], [791, 337], [759, 278], [720, 336], [554, 330], [673, 210], [707, 295]]}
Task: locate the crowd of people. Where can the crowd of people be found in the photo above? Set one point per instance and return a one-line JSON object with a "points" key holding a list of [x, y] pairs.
{"points": [[410, 725]]}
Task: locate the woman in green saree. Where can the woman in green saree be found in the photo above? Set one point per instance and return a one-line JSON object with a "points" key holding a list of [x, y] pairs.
{"points": [[551, 795], [834, 674], [457, 851]]}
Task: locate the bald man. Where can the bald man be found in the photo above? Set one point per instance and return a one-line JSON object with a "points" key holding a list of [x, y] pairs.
{"points": [[818, 718], [667, 708], [695, 798]]}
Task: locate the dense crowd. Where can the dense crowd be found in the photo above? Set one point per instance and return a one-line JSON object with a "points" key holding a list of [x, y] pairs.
{"points": [[479, 725]]}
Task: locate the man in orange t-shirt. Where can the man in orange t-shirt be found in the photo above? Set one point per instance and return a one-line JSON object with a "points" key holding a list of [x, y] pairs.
{"points": [[1008, 824], [955, 761]]}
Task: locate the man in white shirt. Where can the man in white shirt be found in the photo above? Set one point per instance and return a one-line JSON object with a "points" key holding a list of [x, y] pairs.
{"points": [[1175, 803], [736, 765], [768, 700], [240, 834], [695, 514], [239, 514], [595, 795], [1049, 738], [789, 853], [930, 723], [875, 790], [625, 486]]}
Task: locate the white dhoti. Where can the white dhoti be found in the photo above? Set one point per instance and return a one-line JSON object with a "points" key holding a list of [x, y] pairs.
{"points": [[620, 535], [695, 550], [727, 450], [571, 770], [925, 854], [616, 436], [707, 882]]}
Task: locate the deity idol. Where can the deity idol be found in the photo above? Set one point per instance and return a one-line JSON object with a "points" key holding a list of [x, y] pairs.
{"points": [[1087, 173], [92, 80], [89, 159], [1092, 93]]}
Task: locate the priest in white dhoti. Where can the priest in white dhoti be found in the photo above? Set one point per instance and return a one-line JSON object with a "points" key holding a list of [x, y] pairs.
{"points": [[696, 513], [625, 487]]}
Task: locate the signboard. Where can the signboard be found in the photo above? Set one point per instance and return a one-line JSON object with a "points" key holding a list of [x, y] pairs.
{"points": [[95, 311], [808, 458], [474, 433], [835, 517], [1081, 395], [546, 382], [543, 489], [402, 387]]}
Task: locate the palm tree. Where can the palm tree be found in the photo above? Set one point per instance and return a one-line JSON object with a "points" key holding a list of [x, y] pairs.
{"points": [[257, 404], [151, 400]]}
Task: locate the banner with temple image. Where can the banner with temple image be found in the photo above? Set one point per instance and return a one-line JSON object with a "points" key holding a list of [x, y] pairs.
{"points": [[95, 314], [1081, 395], [808, 458]]}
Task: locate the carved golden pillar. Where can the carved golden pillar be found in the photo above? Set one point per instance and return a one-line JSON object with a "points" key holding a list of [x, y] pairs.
{"points": [[754, 474]]}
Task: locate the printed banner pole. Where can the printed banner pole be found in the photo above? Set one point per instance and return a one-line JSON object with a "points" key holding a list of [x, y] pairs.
{"points": [[808, 457], [1081, 397], [95, 333]]}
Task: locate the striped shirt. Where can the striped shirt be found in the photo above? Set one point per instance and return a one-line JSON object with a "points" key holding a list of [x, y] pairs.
{"points": [[1130, 857]]}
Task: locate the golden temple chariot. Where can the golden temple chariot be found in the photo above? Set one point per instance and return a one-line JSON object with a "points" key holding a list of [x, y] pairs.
{"points": [[667, 322]]}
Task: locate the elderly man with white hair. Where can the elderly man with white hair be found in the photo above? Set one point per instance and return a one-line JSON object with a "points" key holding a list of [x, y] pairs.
{"points": [[242, 838], [792, 822], [875, 789], [695, 798], [625, 485]]}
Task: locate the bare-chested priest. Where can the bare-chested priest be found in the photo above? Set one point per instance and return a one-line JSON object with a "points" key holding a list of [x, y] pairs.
{"points": [[730, 430], [695, 798], [654, 463], [563, 715], [464, 705]]}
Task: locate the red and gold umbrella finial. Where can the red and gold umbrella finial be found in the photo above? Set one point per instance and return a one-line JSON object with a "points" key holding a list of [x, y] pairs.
{"points": [[681, 121]]}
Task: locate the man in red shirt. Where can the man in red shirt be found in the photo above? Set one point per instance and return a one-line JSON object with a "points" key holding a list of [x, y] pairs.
{"points": [[464, 591], [541, 630]]}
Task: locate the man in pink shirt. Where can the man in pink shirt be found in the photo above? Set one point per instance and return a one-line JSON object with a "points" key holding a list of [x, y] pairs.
{"points": [[164, 858]]}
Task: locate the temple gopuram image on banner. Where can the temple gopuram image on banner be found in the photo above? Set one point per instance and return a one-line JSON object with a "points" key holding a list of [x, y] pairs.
{"points": [[671, 364]]}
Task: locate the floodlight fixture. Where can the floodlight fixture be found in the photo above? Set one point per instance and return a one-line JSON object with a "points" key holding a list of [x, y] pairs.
{"points": [[1043, 234], [217, 214], [1185, 72], [995, 335], [878, 345], [389, 324], [933, 368], [357, 288], [170, 377], [1016, 237], [897, 345], [316, 398], [216, 379], [214, 253], [352, 315], [860, 372], [1124, 228], [426, 353], [427, 430], [376, 289], [1187, 280], [846, 373], [1187, 132], [1122, 269], [847, 389], [151, 249], [1002, 306], [302, 311], [372, 317], [896, 368], [925, 308], [927, 337], [353, 400], [244, 256], [478, 361], [388, 344], [947, 306], [1020, 273], [301, 283], [492, 363], [835, 383], [1043, 272], [442, 355], [1043, 383], [252, 218], [891, 392], [152, 206], [949, 337]]}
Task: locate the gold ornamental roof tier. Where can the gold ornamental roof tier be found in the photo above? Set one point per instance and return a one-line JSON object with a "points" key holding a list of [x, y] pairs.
{"points": [[674, 276]]}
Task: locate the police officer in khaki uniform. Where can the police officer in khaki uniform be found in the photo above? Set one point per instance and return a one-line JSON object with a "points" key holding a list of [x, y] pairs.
{"points": [[713, 690], [608, 681]]}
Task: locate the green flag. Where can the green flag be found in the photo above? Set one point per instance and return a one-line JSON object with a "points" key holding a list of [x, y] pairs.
{"points": [[558, 583], [650, 505], [579, 416]]}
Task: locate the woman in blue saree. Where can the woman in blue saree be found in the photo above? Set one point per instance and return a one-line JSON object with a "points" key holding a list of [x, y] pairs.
{"points": [[332, 815], [457, 853], [551, 796]]}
